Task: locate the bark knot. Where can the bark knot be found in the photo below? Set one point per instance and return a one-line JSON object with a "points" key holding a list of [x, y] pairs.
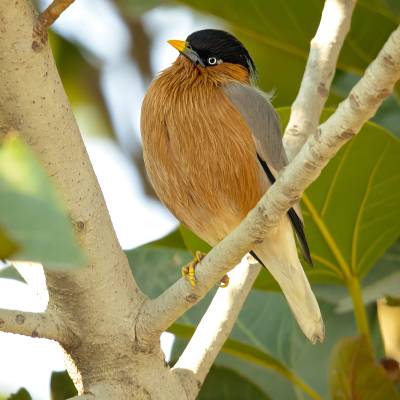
{"points": [[191, 298], [354, 103], [347, 134], [322, 90]]}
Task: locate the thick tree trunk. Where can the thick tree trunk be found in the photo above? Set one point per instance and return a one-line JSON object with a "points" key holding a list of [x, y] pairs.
{"points": [[97, 303]]}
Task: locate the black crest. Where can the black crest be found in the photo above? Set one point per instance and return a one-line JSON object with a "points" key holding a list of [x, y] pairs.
{"points": [[221, 45]]}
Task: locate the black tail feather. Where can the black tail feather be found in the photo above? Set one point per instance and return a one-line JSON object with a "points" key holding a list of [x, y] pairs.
{"points": [[257, 258], [297, 223]]}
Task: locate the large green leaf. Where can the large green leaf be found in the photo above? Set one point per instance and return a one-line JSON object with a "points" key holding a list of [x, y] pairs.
{"points": [[80, 75], [277, 34], [351, 211], [7, 246], [384, 280], [225, 384], [250, 354], [61, 386], [22, 394], [266, 328], [157, 267], [192, 242], [10, 272], [355, 374], [31, 213]]}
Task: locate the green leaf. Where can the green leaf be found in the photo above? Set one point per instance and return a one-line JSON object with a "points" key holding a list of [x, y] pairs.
{"points": [[267, 325], [192, 242], [156, 267], [30, 211], [173, 240], [80, 74], [354, 373], [225, 384], [7, 246], [351, 211], [250, 354], [392, 301], [383, 280], [61, 386], [11, 272], [280, 52], [22, 394], [137, 8]]}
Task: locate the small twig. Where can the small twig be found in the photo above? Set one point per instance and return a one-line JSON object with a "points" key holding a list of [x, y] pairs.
{"points": [[36, 325], [45, 20], [362, 103], [214, 328], [320, 70]]}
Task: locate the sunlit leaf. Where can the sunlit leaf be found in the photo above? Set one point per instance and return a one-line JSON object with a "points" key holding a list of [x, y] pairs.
{"points": [[61, 386], [392, 301], [383, 281], [31, 213], [351, 211], [157, 267], [173, 240], [355, 375], [193, 243], [22, 394], [11, 273], [280, 53], [250, 354], [225, 384], [267, 325], [7, 246]]}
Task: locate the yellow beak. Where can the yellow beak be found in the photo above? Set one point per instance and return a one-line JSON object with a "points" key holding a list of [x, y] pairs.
{"points": [[180, 45]]}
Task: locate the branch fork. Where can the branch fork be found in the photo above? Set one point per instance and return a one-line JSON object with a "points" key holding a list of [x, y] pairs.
{"points": [[45, 20]]}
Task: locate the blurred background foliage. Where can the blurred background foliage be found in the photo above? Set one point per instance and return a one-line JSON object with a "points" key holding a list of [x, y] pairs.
{"points": [[351, 212]]}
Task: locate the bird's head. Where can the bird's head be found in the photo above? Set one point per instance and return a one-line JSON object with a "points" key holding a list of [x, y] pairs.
{"points": [[211, 48]]}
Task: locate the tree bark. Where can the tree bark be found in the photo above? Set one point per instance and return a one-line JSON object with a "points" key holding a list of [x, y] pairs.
{"points": [[97, 302]]}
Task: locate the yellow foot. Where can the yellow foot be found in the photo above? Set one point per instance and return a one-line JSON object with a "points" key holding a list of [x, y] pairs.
{"points": [[188, 271], [224, 282]]}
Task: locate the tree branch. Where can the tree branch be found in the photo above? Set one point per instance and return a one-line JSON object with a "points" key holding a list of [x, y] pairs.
{"points": [[36, 325], [362, 103], [214, 328], [320, 70], [45, 20]]}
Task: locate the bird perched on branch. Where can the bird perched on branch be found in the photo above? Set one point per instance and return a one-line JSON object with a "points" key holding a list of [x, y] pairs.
{"points": [[212, 147]]}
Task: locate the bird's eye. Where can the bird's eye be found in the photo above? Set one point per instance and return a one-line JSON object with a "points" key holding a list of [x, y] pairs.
{"points": [[211, 60]]}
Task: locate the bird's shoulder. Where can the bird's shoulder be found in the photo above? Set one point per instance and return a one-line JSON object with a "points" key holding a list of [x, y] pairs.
{"points": [[262, 119]]}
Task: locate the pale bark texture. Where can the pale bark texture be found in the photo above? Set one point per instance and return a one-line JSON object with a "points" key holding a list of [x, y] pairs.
{"points": [[109, 329], [98, 302], [320, 70]]}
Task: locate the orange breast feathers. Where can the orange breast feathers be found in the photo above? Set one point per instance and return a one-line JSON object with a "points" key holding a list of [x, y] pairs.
{"points": [[199, 152]]}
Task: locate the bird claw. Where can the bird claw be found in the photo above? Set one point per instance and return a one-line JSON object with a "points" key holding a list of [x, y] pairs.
{"points": [[188, 271], [224, 282]]}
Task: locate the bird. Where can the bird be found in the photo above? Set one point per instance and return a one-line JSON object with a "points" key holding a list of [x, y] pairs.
{"points": [[212, 146]]}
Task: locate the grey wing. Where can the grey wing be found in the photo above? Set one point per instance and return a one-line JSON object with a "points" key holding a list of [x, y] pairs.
{"points": [[263, 122]]}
